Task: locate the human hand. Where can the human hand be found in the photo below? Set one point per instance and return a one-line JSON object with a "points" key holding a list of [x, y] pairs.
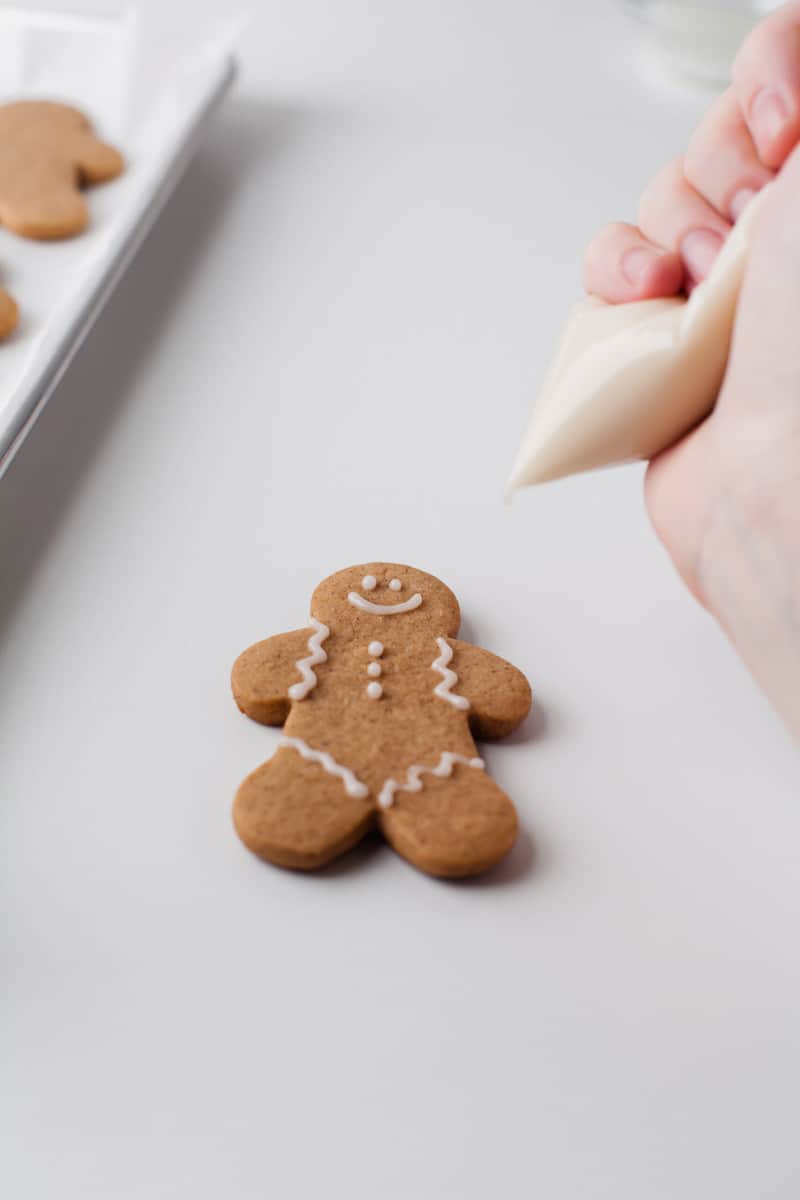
{"points": [[726, 499]]}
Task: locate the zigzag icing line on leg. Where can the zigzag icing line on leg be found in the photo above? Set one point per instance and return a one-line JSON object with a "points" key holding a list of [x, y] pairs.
{"points": [[442, 770], [352, 784]]}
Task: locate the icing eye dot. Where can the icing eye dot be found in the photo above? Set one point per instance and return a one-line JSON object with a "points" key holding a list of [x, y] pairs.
{"points": [[374, 691], [369, 583], [395, 584], [375, 649], [374, 669]]}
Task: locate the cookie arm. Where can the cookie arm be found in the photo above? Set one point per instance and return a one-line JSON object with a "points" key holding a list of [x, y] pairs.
{"points": [[96, 161], [262, 675], [498, 693]]}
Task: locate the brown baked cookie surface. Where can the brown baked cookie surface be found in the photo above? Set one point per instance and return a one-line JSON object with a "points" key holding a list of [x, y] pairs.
{"points": [[48, 152], [379, 701], [9, 314]]}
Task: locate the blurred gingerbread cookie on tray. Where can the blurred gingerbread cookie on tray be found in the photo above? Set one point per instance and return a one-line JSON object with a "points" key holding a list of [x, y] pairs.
{"points": [[48, 154], [9, 314]]}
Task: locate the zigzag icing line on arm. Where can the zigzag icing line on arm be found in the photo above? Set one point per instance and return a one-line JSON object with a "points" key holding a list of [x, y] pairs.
{"points": [[449, 678], [352, 784], [413, 783], [299, 691]]}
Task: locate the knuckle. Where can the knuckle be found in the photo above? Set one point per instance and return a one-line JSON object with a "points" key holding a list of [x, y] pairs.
{"points": [[740, 68], [717, 127], [697, 158], [665, 185], [614, 232], [757, 48]]}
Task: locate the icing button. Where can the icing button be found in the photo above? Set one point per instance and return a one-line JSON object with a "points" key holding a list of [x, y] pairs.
{"points": [[374, 669], [375, 649], [374, 691]]}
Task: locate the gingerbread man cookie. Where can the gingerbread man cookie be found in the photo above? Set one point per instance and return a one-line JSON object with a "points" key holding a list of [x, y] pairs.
{"points": [[48, 151], [379, 703]]}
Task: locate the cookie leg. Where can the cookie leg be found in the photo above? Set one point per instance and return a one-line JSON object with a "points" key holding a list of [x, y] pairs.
{"points": [[55, 210], [452, 827], [295, 814]]}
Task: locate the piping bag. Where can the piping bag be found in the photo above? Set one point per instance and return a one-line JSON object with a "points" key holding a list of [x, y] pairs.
{"points": [[629, 380]]}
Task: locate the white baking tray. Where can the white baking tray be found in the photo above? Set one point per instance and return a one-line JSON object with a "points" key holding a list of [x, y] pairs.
{"points": [[150, 95]]}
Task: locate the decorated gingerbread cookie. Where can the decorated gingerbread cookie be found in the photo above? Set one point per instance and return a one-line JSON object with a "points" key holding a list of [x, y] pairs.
{"points": [[380, 702], [48, 151]]}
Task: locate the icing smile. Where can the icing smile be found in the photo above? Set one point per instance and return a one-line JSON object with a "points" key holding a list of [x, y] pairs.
{"points": [[384, 610]]}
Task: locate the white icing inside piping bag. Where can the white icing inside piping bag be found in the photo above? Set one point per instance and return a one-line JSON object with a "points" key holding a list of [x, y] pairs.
{"points": [[628, 380]]}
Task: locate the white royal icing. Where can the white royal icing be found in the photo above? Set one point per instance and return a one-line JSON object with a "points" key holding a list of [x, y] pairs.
{"points": [[375, 649], [352, 785], [298, 691], [374, 669], [384, 610], [395, 585], [369, 583], [449, 677], [442, 770], [374, 691]]}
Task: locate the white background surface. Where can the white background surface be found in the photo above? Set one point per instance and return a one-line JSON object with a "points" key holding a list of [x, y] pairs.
{"points": [[325, 353]]}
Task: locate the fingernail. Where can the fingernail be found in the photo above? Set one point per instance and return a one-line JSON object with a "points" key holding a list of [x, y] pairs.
{"points": [[740, 202], [767, 118], [636, 263], [699, 249]]}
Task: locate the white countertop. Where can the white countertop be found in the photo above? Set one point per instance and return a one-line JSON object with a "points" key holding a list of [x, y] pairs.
{"points": [[324, 354]]}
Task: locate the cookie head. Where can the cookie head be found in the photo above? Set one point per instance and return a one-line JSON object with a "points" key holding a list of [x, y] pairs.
{"points": [[375, 597]]}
